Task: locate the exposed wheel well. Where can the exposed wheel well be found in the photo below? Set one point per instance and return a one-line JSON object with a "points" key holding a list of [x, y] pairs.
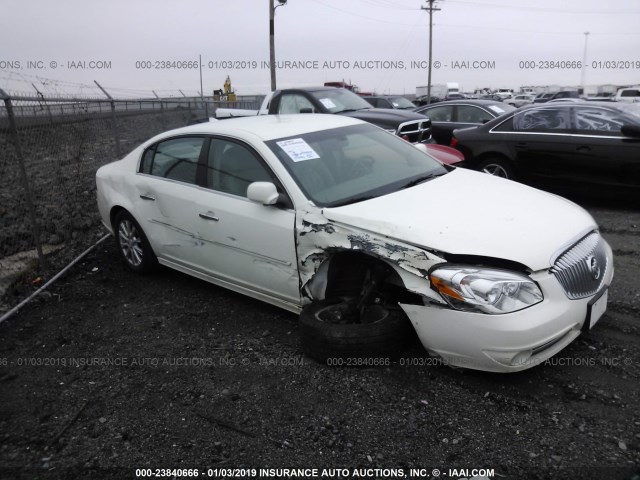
{"points": [[349, 273]]}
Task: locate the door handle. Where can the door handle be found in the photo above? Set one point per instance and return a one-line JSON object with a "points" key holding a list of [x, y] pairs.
{"points": [[146, 196], [208, 216]]}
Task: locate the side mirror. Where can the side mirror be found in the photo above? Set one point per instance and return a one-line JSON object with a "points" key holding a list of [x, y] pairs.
{"points": [[263, 192], [630, 131]]}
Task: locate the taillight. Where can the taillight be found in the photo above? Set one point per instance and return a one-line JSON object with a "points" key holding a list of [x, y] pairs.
{"points": [[454, 142]]}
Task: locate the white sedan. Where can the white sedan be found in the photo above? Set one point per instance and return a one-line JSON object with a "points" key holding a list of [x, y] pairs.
{"points": [[360, 231]]}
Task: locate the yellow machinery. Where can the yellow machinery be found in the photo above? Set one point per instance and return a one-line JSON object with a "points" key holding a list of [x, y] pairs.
{"points": [[226, 93]]}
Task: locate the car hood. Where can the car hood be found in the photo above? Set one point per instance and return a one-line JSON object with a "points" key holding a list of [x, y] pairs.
{"points": [[385, 117], [472, 213]]}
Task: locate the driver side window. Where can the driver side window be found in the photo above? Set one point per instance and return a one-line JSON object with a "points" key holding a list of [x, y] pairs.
{"points": [[231, 167]]}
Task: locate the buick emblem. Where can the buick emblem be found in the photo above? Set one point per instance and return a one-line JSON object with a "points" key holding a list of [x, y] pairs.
{"points": [[593, 266]]}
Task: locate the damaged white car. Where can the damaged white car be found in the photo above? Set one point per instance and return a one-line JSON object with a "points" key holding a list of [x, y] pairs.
{"points": [[365, 235]]}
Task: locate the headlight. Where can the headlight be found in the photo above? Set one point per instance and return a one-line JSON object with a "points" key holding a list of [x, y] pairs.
{"points": [[485, 290]]}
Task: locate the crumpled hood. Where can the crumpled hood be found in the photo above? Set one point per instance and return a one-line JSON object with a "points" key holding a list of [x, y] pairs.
{"points": [[471, 213]]}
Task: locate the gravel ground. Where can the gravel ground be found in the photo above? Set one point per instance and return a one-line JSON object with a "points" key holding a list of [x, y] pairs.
{"points": [[109, 372]]}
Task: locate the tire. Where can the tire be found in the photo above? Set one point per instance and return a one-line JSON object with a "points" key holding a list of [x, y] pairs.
{"points": [[133, 246], [326, 333], [498, 167]]}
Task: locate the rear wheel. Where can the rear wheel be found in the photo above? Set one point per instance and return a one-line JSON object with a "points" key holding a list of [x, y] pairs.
{"points": [[133, 246], [498, 167]]}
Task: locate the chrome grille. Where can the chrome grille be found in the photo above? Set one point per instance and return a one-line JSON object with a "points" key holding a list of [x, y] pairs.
{"points": [[416, 131], [582, 269]]}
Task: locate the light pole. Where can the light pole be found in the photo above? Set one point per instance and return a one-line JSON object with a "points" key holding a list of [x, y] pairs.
{"points": [[272, 48], [430, 9], [584, 65]]}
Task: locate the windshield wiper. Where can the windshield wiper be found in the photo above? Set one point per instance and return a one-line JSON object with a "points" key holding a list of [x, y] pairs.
{"points": [[421, 179], [351, 200], [353, 109]]}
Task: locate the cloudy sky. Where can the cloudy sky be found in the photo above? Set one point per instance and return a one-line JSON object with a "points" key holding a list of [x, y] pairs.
{"points": [[135, 46]]}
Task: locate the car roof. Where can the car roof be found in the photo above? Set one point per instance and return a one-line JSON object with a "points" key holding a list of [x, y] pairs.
{"points": [[470, 101], [268, 127], [382, 96]]}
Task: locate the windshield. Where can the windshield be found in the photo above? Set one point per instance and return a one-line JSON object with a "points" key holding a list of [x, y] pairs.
{"points": [[350, 164], [401, 102], [338, 100]]}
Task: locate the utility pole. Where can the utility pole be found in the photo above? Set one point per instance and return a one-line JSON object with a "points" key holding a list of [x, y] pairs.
{"points": [[272, 48], [584, 65], [430, 9]]}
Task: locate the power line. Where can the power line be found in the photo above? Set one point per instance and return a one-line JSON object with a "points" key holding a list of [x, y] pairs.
{"points": [[549, 10]]}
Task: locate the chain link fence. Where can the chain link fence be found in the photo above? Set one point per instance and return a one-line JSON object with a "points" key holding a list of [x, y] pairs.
{"points": [[50, 149]]}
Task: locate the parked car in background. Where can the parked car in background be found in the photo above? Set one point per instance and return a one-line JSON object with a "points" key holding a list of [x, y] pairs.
{"points": [[442, 153], [454, 96], [543, 97], [447, 116], [628, 95], [389, 101], [520, 100], [563, 145], [556, 100], [364, 236], [423, 100], [409, 125], [564, 94], [491, 96]]}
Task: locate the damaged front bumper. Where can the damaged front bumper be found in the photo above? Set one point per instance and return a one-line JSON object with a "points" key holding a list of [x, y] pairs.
{"points": [[504, 343]]}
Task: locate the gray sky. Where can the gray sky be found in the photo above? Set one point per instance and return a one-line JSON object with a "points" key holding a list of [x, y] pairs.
{"points": [[379, 45]]}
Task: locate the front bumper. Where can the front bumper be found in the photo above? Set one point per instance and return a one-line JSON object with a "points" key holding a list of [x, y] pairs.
{"points": [[504, 343]]}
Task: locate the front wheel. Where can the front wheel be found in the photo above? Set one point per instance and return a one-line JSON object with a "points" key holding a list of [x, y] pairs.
{"points": [[335, 329], [133, 246], [498, 167]]}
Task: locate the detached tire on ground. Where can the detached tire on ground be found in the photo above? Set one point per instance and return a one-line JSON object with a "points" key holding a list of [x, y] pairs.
{"points": [[133, 246], [324, 336]]}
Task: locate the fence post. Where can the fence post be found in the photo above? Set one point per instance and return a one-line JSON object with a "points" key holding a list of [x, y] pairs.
{"points": [[24, 178], [113, 118]]}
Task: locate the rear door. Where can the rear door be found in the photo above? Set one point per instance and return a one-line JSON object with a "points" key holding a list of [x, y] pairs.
{"points": [[606, 156], [544, 147], [168, 177]]}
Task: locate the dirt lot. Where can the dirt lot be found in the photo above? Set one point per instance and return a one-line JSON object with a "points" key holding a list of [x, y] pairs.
{"points": [[110, 372]]}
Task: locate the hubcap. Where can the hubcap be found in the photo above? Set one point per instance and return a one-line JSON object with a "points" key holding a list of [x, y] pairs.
{"points": [[497, 170], [130, 243]]}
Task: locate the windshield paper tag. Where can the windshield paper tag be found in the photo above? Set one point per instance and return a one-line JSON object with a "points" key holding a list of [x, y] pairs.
{"points": [[298, 150], [496, 109], [327, 103]]}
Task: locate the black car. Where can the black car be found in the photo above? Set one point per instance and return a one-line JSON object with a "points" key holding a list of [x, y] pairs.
{"points": [[424, 100], [563, 145], [389, 101], [543, 97], [448, 116]]}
